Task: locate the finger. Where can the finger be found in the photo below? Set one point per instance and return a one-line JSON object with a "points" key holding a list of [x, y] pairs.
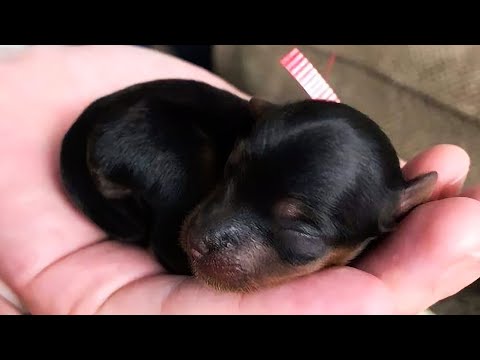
{"points": [[112, 278], [433, 255], [451, 162], [7, 294], [334, 291], [427, 242], [81, 282], [9, 303], [6, 308]]}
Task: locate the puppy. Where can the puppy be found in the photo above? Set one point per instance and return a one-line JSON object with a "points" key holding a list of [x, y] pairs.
{"points": [[311, 186], [242, 194], [137, 161]]}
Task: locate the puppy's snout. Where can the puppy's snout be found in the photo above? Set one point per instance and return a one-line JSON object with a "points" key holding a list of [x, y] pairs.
{"points": [[198, 248], [213, 237], [215, 230], [223, 235], [202, 244]]}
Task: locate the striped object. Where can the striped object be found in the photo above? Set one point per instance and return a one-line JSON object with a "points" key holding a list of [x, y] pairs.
{"points": [[307, 76]]}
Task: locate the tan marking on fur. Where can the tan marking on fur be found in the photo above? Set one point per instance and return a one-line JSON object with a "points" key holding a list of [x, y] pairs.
{"points": [[256, 265], [237, 154], [109, 189], [270, 271], [288, 208]]}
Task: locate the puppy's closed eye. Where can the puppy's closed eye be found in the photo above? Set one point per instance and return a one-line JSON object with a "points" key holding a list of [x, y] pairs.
{"points": [[298, 247], [298, 241]]}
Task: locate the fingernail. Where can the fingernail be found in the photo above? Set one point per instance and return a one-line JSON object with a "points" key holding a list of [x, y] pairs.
{"points": [[8, 294]]}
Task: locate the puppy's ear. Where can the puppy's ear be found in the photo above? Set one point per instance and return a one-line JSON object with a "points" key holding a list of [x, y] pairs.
{"points": [[260, 106], [417, 191]]}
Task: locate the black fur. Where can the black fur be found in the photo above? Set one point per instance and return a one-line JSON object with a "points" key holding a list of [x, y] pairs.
{"points": [[329, 161], [150, 138], [295, 182], [314, 184]]}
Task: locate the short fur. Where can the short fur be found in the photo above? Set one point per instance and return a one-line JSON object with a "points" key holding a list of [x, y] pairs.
{"points": [[138, 160], [241, 194], [310, 188]]}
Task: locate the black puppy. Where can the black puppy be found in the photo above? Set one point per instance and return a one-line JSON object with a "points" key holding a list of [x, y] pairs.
{"points": [[268, 192], [312, 185], [138, 160]]}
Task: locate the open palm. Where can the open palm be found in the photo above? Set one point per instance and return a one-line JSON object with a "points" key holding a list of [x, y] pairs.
{"points": [[57, 262]]}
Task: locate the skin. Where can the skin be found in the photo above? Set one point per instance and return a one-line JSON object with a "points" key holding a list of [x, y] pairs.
{"points": [[55, 261]]}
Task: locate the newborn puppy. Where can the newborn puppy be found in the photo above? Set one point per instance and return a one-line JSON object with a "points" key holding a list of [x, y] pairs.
{"points": [[310, 187], [137, 161]]}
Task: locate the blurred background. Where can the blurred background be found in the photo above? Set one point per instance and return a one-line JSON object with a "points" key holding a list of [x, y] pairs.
{"points": [[421, 95]]}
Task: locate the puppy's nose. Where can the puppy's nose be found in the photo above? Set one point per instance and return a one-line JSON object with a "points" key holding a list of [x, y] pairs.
{"points": [[198, 249]]}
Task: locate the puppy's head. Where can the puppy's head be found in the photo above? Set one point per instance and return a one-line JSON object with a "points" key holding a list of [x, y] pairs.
{"points": [[312, 185]]}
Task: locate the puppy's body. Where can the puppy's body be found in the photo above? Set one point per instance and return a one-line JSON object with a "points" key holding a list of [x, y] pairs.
{"points": [[313, 184], [241, 194], [137, 161]]}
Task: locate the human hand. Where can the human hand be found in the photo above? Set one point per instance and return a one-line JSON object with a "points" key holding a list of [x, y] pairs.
{"points": [[53, 258]]}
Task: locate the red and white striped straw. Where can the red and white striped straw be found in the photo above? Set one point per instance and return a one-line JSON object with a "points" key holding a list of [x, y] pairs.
{"points": [[307, 76]]}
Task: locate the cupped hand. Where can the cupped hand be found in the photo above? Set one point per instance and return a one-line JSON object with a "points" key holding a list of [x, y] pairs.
{"points": [[55, 262]]}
